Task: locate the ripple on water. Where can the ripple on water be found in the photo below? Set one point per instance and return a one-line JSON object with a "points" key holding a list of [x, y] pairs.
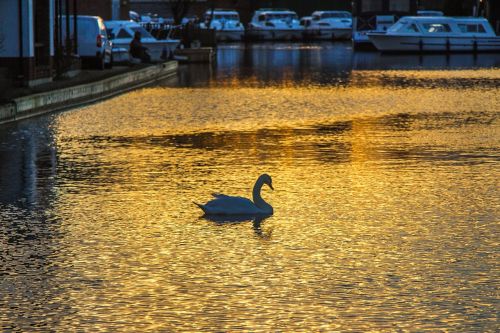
{"points": [[386, 210]]}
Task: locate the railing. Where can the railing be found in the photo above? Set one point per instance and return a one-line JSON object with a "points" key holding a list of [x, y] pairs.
{"points": [[186, 33]]}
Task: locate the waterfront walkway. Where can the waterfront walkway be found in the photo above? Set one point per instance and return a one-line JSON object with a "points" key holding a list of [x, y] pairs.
{"points": [[89, 86]]}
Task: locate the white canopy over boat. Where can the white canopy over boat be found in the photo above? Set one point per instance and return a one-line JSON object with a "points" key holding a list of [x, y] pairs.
{"points": [[438, 34]]}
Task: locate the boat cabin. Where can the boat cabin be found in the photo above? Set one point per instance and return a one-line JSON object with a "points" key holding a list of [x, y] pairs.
{"points": [[264, 15], [330, 14], [432, 26], [222, 15]]}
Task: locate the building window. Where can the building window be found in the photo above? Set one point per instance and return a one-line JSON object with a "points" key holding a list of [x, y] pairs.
{"points": [[399, 6], [371, 5]]}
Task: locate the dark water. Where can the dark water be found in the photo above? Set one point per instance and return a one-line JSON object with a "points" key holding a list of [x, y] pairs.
{"points": [[261, 65], [386, 199]]}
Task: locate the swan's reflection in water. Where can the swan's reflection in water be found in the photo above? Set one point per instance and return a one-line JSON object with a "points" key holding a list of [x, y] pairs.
{"points": [[257, 221]]}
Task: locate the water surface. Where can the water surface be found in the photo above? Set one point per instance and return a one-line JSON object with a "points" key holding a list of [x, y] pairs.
{"points": [[386, 199]]}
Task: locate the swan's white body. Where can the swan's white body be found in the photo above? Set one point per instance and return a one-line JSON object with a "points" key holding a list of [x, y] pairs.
{"points": [[228, 205]]}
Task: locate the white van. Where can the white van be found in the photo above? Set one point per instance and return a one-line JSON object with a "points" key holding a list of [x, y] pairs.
{"points": [[94, 46]]}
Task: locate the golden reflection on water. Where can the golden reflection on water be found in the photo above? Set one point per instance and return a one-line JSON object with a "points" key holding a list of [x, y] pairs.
{"points": [[386, 211]]}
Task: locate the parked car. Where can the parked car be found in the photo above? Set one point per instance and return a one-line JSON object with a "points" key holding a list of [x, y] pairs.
{"points": [[94, 46], [122, 33]]}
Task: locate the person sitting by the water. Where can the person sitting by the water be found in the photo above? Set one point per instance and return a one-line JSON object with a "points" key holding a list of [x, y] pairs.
{"points": [[137, 50]]}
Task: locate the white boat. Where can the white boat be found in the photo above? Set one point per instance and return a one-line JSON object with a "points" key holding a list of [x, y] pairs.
{"points": [[274, 24], [438, 34], [226, 23], [328, 25], [122, 33]]}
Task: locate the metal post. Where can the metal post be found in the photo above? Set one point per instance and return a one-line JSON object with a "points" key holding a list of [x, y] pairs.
{"points": [[56, 34], [21, 41], [59, 51], [75, 26], [68, 31], [59, 18]]}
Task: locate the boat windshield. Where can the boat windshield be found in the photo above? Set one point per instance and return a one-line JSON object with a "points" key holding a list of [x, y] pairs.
{"points": [[404, 27], [225, 17], [429, 13], [436, 27], [335, 15], [282, 16], [144, 32]]}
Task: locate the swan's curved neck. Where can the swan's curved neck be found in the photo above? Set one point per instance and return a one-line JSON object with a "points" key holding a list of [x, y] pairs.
{"points": [[257, 199]]}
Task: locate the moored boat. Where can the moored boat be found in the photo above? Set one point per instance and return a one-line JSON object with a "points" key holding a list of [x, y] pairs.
{"points": [[122, 33], [438, 34], [328, 25], [274, 24], [226, 23]]}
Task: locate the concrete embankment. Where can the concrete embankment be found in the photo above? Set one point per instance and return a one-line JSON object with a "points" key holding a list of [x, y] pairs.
{"points": [[59, 99]]}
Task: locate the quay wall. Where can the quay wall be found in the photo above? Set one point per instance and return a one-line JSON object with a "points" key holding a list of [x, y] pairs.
{"points": [[56, 100]]}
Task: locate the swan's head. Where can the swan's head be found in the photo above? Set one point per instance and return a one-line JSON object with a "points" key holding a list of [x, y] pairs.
{"points": [[266, 179]]}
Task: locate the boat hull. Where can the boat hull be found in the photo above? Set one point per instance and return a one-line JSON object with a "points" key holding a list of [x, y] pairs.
{"points": [[398, 43], [275, 34], [361, 42], [328, 34], [229, 35]]}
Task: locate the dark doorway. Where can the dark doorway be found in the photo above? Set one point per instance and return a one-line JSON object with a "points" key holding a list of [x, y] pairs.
{"points": [[42, 32]]}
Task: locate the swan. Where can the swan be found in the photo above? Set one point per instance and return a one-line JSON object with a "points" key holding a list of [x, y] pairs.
{"points": [[229, 205]]}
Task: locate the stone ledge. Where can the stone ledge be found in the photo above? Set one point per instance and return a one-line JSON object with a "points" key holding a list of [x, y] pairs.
{"points": [[55, 100]]}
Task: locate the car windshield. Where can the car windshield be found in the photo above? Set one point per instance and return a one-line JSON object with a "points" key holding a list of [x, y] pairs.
{"points": [[144, 32]]}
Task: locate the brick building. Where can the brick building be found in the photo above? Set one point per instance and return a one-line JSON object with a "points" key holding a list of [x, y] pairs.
{"points": [[431, 4], [107, 9], [491, 9], [401, 6], [31, 46]]}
